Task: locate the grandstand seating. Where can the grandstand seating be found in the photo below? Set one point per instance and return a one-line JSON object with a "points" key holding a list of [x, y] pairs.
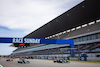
{"points": [[95, 46], [85, 47], [83, 31]]}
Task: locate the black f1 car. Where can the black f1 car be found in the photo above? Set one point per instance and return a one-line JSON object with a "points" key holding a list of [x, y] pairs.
{"points": [[60, 61], [23, 61]]}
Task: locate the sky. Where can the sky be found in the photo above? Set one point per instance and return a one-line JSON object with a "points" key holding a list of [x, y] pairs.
{"points": [[20, 17]]}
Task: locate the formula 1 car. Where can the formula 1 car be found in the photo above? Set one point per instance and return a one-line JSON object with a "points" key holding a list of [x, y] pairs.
{"points": [[9, 59], [61, 61], [23, 61]]}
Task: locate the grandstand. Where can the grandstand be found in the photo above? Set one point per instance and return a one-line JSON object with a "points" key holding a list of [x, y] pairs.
{"points": [[81, 23]]}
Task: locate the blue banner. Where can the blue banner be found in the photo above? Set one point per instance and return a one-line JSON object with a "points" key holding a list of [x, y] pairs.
{"points": [[35, 41]]}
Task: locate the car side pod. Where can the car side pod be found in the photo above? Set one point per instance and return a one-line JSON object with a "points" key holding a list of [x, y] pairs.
{"points": [[28, 62]]}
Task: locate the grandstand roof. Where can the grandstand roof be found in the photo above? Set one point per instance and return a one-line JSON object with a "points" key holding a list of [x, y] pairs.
{"points": [[85, 12]]}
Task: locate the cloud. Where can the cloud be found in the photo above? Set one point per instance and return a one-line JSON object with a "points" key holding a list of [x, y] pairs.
{"points": [[28, 15], [5, 32]]}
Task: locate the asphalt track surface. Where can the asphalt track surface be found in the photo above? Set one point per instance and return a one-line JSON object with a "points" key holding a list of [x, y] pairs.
{"points": [[45, 63]]}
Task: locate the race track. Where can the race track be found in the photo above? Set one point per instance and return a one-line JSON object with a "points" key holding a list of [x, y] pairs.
{"points": [[45, 63]]}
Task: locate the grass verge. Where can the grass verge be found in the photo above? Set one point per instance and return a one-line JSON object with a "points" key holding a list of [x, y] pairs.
{"points": [[85, 61]]}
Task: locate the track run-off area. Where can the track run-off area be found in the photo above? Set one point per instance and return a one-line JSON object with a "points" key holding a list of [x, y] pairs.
{"points": [[45, 63]]}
